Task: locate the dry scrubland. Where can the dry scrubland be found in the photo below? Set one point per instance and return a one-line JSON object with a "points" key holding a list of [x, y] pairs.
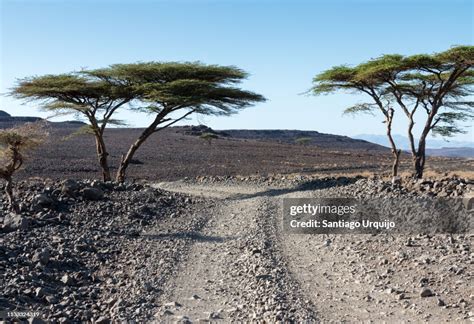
{"points": [[171, 155], [210, 247]]}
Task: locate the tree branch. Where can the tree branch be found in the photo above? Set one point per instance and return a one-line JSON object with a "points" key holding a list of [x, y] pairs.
{"points": [[174, 121]]}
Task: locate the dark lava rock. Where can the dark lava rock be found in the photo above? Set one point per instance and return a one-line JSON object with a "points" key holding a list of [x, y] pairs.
{"points": [[426, 292], [42, 256], [12, 222], [92, 193], [42, 200], [63, 261], [70, 187]]}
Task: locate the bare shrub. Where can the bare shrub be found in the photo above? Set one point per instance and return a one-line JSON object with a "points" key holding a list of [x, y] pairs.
{"points": [[15, 143]]}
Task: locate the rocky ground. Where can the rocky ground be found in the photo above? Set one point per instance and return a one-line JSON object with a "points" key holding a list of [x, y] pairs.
{"points": [[235, 273], [212, 249], [171, 155], [387, 278], [338, 278], [452, 186], [86, 251]]}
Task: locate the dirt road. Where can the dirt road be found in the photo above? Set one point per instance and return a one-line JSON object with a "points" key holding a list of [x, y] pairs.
{"points": [[242, 267]]}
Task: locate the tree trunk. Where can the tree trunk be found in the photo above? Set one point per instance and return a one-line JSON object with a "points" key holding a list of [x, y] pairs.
{"points": [[396, 162], [10, 196], [411, 138], [152, 128], [125, 161], [395, 151], [102, 156], [419, 160], [419, 166]]}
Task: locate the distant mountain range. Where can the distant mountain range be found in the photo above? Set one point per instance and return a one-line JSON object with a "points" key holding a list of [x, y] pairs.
{"points": [[286, 136], [365, 142], [465, 152], [361, 142], [404, 143], [435, 147]]}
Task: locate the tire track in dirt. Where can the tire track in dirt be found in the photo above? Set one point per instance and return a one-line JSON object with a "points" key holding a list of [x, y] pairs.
{"points": [[234, 271]]}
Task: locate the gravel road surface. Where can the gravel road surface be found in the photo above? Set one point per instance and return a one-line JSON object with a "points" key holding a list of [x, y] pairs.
{"points": [[243, 267]]}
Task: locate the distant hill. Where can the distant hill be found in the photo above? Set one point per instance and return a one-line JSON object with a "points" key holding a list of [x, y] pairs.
{"points": [[327, 141], [4, 114], [404, 144], [7, 121], [465, 152], [435, 147], [286, 136]]}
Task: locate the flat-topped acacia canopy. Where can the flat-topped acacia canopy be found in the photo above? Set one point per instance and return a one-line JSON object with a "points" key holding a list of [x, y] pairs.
{"points": [[159, 88], [441, 84]]}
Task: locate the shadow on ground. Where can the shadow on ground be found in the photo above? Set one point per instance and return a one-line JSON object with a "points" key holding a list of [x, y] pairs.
{"points": [[316, 184]]}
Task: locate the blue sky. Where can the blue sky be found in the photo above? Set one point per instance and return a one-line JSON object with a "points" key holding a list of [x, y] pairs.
{"points": [[282, 44]]}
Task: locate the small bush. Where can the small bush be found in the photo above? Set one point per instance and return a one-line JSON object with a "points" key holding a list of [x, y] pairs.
{"points": [[208, 137], [303, 140], [15, 143]]}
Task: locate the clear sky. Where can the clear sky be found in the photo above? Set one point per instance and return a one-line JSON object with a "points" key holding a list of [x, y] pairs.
{"points": [[281, 43]]}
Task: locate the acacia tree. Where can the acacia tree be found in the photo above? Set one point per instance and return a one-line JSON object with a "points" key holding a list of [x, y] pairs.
{"points": [[351, 79], [172, 91], [14, 144], [164, 90], [89, 95], [439, 84]]}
